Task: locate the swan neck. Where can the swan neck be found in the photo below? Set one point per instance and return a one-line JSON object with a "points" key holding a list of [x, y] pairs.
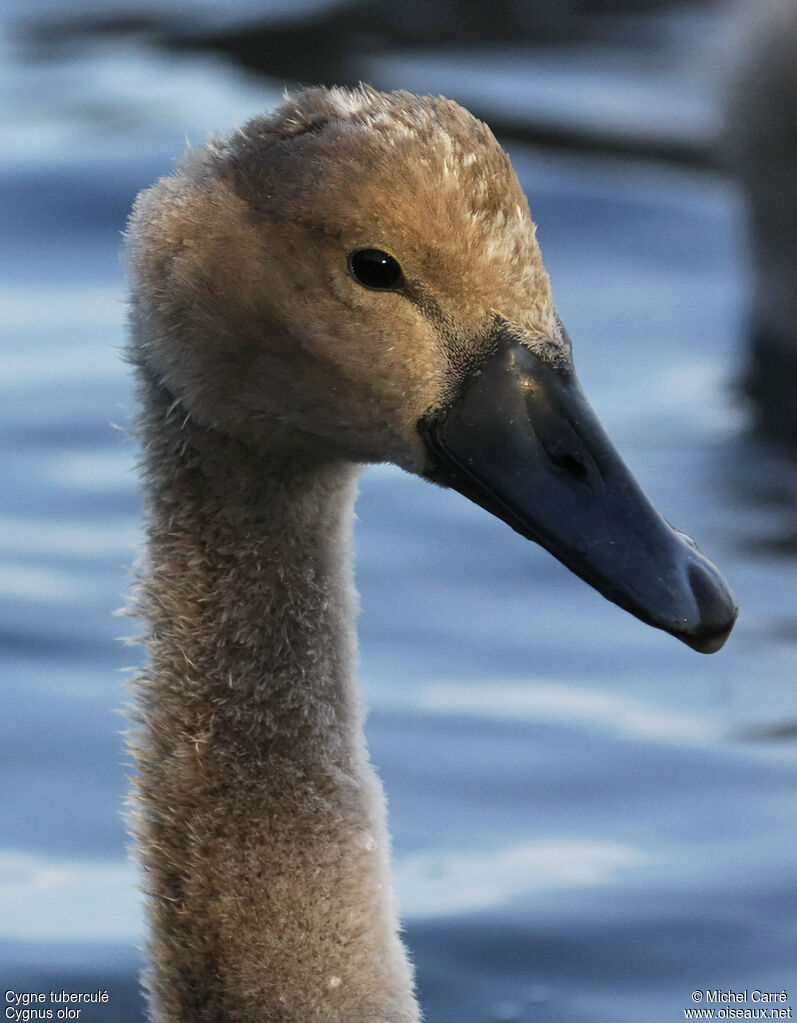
{"points": [[260, 821]]}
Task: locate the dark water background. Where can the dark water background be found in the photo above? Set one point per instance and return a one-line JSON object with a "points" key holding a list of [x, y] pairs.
{"points": [[590, 820]]}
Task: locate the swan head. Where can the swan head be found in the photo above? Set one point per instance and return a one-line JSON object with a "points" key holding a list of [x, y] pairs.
{"points": [[358, 273], [254, 312]]}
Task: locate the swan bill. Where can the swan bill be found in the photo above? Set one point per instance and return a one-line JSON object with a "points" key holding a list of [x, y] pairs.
{"points": [[521, 440]]}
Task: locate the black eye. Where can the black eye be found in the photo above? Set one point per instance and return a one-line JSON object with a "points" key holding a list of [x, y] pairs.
{"points": [[374, 268]]}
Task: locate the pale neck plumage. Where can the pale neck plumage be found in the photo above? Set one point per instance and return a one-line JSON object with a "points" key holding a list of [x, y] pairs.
{"points": [[260, 820]]}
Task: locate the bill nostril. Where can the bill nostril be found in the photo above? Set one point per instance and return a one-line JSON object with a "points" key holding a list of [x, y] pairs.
{"points": [[571, 465]]}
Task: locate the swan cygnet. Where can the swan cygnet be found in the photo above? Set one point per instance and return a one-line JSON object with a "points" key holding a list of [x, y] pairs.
{"points": [[760, 143], [354, 278]]}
